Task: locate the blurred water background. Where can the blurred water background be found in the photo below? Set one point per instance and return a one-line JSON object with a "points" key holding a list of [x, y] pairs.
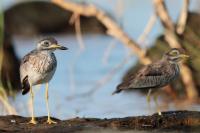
{"points": [[79, 72]]}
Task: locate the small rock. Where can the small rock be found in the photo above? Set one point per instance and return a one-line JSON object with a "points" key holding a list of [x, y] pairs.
{"points": [[12, 121]]}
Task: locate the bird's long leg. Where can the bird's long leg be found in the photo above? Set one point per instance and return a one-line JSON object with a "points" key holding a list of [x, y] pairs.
{"points": [[32, 121], [49, 120], [149, 97], [156, 102]]}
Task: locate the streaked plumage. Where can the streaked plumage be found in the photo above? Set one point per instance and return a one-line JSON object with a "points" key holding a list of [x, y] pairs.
{"points": [[154, 75], [38, 67]]}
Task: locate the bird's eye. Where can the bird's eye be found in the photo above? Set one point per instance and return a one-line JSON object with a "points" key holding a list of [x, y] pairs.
{"points": [[174, 53], [46, 44]]}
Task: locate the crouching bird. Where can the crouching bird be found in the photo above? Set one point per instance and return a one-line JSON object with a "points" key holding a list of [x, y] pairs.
{"points": [[38, 67], [155, 75]]}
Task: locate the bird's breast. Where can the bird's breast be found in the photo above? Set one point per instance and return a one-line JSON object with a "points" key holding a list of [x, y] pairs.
{"points": [[174, 72], [48, 63]]}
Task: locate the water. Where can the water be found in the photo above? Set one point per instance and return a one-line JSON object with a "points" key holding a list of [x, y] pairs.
{"points": [[79, 72]]}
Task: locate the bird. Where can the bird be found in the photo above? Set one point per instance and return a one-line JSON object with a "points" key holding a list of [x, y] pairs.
{"points": [[155, 75], [38, 67]]}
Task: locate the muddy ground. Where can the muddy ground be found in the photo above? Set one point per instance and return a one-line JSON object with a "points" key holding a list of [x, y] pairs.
{"points": [[176, 121]]}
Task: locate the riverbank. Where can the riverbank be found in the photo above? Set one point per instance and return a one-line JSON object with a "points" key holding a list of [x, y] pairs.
{"points": [[169, 121]]}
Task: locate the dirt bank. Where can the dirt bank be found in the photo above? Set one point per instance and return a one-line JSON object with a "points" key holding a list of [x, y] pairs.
{"points": [[170, 121]]}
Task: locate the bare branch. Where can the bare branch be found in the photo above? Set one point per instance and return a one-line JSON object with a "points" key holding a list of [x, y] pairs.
{"points": [[8, 106], [172, 39], [79, 33], [148, 28], [112, 28], [162, 13], [183, 17], [75, 19], [104, 80], [108, 51]]}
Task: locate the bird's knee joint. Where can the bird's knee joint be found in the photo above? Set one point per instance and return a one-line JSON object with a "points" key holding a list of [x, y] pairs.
{"points": [[32, 95], [47, 97]]}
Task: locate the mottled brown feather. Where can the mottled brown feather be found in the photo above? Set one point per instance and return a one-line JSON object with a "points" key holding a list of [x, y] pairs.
{"points": [[154, 75]]}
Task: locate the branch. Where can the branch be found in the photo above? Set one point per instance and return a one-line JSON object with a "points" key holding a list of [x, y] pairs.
{"points": [[8, 106], [108, 51], [162, 13], [112, 28], [104, 80], [183, 18], [172, 39], [148, 28], [75, 19]]}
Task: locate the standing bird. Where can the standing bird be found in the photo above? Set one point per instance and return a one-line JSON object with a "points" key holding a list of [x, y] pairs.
{"points": [[38, 67], [155, 75]]}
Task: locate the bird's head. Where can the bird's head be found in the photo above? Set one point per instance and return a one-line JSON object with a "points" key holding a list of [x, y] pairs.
{"points": [[175, 55], [49, 43]]}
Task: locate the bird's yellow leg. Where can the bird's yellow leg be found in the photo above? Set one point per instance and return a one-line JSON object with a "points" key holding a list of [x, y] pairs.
{"points": [[156, 102], [149, 97], [32, 121], [49, 120]]}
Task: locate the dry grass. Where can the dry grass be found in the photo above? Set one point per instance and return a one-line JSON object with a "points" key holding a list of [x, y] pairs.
{"points": [[3, 94]]}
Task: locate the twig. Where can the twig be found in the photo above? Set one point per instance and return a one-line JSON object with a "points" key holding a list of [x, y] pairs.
{"points": [[78, 33], [112, 28], [183, 17], [108, 51], [8, 107], [118, 11], [104, 80], [75, 19], [172, 39], [108, 77], [148, 28]]}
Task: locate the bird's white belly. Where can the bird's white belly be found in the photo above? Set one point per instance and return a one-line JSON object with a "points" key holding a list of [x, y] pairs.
{"points": [[37, 78]]}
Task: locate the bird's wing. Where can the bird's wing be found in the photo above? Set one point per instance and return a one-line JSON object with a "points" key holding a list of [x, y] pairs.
{"points": [[151, 76], [29, 57], [29, 61], [38, 62]]}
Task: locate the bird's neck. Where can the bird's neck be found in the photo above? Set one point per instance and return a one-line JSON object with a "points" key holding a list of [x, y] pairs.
{"points": [[166, 59], [47, 51]]}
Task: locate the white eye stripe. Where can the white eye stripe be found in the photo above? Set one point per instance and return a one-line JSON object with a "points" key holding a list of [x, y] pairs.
{"points": [[175, 52], [46, 43]]}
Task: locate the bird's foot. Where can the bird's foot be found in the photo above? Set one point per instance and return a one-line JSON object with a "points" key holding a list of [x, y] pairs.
{"points": [[32, 121], [148, 99], [50, 121], [159, 113]]}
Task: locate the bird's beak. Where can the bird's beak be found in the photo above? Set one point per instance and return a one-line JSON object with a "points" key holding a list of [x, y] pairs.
{"points": [[57, 46], [184, 56]]}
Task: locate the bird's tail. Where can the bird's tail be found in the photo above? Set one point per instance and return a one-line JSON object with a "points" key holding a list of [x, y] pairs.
{"points": [[25, 86], [119, 89]]}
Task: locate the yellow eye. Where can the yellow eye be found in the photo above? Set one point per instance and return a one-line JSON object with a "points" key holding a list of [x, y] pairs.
{"points": [[174, 53]]}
